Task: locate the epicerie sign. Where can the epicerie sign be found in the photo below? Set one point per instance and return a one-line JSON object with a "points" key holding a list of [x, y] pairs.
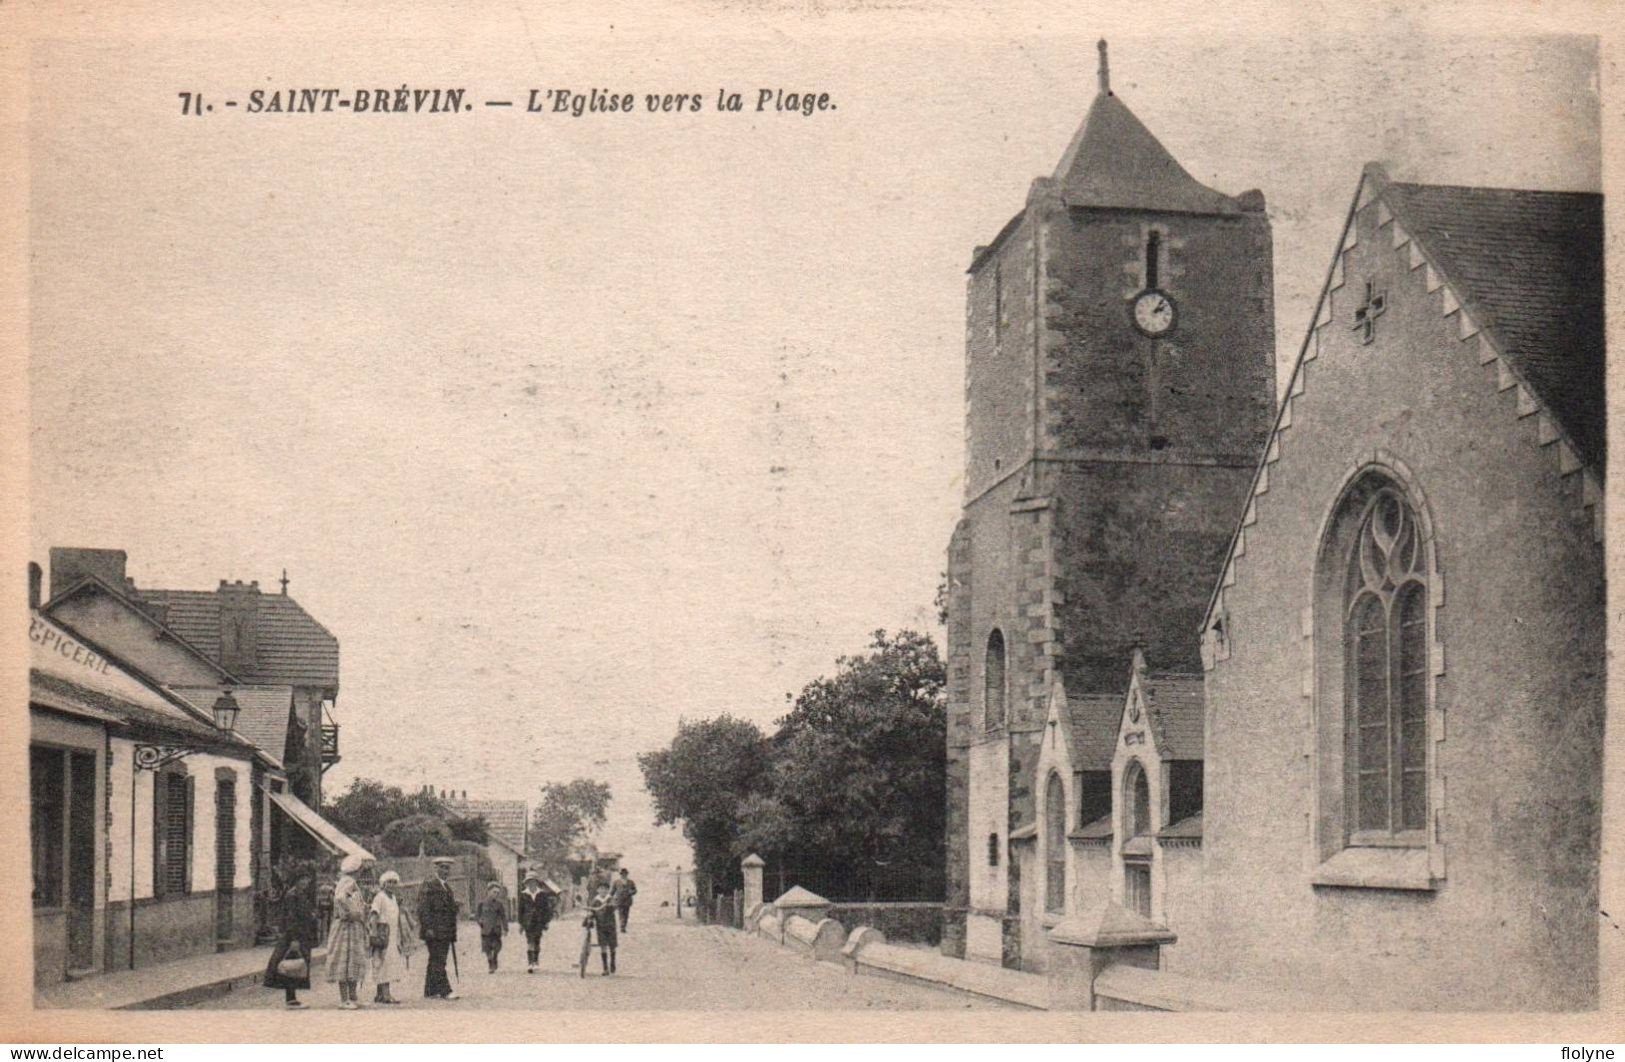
{"points": [[53, 640]]}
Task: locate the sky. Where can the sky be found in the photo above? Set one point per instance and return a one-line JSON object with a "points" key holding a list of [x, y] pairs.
{"points": [[572, 428]]}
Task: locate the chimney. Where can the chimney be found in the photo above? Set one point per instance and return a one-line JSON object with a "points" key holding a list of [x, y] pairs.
{"points": [[34, 578], [239, 625], [69, 564]]}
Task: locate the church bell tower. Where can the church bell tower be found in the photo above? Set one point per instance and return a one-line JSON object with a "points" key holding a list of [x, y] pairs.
{"points": [[1119, 382]]}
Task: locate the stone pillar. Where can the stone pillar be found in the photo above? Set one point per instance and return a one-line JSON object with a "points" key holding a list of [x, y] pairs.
{"points": [[752, 868], [1085, 944]]}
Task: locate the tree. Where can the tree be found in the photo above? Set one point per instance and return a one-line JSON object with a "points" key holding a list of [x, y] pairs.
{"points": [[701, 779], [861, 763], [426, 833], [472, 829], [567, 815], [368, 806]]}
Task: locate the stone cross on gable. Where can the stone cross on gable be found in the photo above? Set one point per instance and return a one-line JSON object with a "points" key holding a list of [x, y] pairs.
{"points": [[1366, 314]]}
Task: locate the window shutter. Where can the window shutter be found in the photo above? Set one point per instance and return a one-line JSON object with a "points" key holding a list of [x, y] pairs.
{"points": [[160, 792], [186, 839]]}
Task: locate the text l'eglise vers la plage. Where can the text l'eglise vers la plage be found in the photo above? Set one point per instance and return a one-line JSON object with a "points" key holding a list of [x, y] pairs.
{"points": [[561, 102]]}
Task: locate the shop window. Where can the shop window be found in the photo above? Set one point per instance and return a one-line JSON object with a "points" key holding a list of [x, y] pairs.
{"points": [[46, 772]]}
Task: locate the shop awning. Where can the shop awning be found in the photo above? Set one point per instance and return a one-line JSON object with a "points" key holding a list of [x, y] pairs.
{"points": [[331, 837]]}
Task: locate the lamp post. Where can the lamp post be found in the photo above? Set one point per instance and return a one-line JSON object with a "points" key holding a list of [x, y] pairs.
{"points": [[679, 892], [153, 758]]}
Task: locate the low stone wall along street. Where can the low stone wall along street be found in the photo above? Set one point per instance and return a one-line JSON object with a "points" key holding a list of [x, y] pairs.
{"points": [[914, 923]]}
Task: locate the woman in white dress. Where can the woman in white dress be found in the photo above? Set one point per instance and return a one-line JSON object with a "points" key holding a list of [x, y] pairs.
{"points": [[347, 940], [389, 963]]}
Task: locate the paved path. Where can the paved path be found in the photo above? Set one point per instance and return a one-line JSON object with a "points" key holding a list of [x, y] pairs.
{"points": [[663, 965]]}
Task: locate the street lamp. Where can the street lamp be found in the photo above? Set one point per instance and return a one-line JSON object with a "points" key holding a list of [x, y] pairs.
{"points": [[679, 892], [225, 711], [149, 757]]}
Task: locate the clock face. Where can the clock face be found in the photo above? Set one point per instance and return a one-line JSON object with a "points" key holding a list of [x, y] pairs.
{"points": [[1154, 313]]}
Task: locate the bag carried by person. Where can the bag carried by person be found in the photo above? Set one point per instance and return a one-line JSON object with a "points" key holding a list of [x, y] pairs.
{"points": [[293, 966], [378, 935]]}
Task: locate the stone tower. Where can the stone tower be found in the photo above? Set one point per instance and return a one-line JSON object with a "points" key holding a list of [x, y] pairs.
{"points": [[1119, 384]]}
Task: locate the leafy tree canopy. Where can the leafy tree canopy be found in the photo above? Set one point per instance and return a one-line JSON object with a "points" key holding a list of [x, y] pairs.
{"points": [[368, 806], [700, 780], [854, 777], [567, 815]]}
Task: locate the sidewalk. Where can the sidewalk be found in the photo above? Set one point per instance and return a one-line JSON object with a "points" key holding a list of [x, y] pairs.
{"points": [[167, 984]]}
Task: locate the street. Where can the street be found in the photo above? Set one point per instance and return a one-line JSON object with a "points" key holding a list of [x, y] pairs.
{"points": [[663, 964]]}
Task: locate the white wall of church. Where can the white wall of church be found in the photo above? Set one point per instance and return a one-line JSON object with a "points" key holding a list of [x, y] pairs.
{"points": [[1509, 921], [989, 885]]}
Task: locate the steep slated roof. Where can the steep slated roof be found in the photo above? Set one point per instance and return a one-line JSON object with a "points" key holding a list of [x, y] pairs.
{"points": [[1094, 729], [263, 718], [1174, 703], [73, 694], [504, 819], [1115, 162], [1529, 264], [291, 648]]}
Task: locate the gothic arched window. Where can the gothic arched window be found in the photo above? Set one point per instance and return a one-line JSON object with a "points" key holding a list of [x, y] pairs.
{"points": [[994, 682], [1139, 796], [1054, 845], [1385, 671]]}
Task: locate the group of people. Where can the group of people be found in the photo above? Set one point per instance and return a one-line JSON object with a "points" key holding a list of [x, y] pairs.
{"points": [[377, 936]]}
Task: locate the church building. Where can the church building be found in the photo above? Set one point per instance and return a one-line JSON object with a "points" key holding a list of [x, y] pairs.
{"points": [[1120, 383], [1352, 755]]}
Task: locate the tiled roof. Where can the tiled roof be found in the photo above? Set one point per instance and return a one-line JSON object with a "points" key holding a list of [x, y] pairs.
{"points": [[73, 694], [1099, 830], [1186, 829], [291, 648], [1529, 265], [1114, 161], [263, 718], [1094, 729], [504, 819], [1175, 704]]}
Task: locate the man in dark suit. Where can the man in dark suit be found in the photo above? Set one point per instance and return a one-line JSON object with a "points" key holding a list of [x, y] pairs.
{"points": [[437, 925]]}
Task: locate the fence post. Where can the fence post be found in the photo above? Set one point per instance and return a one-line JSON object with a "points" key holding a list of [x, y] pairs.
{"points": [[752, 866]]}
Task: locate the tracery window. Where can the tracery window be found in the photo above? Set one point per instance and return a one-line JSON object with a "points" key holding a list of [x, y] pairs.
{"points": [[1054, 845], [994, 682], [1385, 669], [1139, 802]]}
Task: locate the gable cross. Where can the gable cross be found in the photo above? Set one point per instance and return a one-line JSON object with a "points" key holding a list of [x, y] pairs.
{"points": [[1366, 314]]}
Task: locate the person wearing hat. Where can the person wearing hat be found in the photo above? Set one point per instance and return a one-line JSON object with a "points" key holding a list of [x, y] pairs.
{"points": [[388, 938], [347, 940], [437, 925], [535, 912], [297, 942], [620, 896], [493, 919]]}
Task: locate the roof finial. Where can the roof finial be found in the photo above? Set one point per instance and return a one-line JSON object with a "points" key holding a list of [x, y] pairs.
{"points": [[1105, 70], [284, 582]]}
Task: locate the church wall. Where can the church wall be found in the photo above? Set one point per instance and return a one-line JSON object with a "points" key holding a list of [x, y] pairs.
{"points": [[1208, 386], [1136, 546], [1184, 904], [999, 383], [988, 599], [1512, 923], [989, 897], [1091, 881], [958, 838]]}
